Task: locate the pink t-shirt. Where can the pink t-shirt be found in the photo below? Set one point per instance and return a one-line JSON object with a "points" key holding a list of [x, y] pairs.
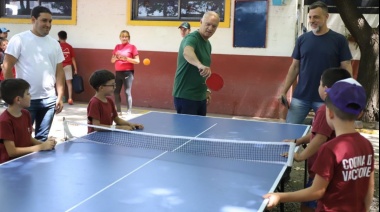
{"points": [[68, 53], [321, 127], [105, 112], [346, 162], [16, 129], [126, 50]]}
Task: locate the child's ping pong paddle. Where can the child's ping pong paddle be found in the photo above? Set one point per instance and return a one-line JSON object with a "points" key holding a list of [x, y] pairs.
{"points": [[284, 101], [214, 82]]}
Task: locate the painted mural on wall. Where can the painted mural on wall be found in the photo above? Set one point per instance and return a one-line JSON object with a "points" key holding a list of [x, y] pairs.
{"points": [[24, 7]]}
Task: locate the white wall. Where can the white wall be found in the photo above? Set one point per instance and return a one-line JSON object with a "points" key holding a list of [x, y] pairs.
{"points": [[99, 24]]}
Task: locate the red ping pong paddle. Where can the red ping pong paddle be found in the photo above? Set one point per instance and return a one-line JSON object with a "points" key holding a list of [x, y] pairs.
{"points": [[214, 82]]}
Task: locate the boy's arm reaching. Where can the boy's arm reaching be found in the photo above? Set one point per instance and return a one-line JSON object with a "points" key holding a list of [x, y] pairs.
{"points": [[316, 191], [121, 122], [303, 140], [311, 149], [97, 123], [14, 151], [299, 141]]}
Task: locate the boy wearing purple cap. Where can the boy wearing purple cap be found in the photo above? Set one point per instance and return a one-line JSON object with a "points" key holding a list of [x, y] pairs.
{"points": [[344, 168], [320, 132]]}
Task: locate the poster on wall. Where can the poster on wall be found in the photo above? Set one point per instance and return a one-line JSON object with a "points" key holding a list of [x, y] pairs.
{"points": [[176, 9], [250, 24]]}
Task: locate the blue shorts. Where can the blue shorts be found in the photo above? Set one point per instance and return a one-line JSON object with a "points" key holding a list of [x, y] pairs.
{"points": [[310, 204]]}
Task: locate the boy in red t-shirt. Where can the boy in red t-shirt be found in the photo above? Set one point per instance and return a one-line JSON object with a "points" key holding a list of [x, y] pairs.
{"points": [[101, 109], [15, 122], [344, 168], [320, 131], [68, 63]]}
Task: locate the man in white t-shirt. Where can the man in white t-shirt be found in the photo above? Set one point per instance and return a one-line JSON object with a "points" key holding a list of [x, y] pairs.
{"points": [[38, 59]]}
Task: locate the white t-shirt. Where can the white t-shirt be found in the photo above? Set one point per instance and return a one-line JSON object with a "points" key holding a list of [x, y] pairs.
{"points": [[37, 59]]}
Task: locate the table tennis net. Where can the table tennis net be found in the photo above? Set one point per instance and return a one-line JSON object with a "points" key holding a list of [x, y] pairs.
{"points": [[259, 151]]}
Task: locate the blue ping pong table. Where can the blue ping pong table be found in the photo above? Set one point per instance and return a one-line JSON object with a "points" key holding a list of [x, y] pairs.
{"points": [[91, 176]]}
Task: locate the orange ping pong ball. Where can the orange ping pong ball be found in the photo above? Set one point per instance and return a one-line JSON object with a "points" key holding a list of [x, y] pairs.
{"points": [[146, 61]]}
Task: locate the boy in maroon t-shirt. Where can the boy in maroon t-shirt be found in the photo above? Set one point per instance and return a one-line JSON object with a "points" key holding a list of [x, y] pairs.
{"points": [[344, 168], [15, 122], [320, 131], [68, 64], [101, 110]]}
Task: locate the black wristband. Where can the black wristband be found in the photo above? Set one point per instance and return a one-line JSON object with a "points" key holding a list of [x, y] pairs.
{"points": [[295, 141]]}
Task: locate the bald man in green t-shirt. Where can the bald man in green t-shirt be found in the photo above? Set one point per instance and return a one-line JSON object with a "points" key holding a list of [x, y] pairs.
{"points": [[190, 92]]}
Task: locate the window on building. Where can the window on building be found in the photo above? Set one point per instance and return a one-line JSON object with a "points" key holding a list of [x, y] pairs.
{"points": [[18, 11]]}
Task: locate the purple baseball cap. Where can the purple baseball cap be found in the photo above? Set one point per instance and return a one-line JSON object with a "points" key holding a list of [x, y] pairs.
{"points": [[346, 93]]}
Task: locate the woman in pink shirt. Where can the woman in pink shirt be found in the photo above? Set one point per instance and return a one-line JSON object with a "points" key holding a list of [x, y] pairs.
{"points": [[124, 56]]}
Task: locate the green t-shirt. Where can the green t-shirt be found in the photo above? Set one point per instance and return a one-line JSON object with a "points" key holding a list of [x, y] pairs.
{"points": [[188, 83]]}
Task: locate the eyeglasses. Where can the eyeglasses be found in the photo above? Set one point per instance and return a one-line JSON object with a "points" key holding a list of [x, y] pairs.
{"points": [[113, 85]]}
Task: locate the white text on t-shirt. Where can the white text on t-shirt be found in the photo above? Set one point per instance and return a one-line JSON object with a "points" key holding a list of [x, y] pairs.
{"points": [[357, 167]]}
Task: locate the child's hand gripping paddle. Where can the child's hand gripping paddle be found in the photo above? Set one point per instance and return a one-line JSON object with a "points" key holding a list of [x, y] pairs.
{"points": [[214, 82]]}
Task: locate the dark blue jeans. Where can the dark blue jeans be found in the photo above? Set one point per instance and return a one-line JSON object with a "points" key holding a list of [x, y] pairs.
{"points": [[299, 109], [42, 112], [190, 107]]}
